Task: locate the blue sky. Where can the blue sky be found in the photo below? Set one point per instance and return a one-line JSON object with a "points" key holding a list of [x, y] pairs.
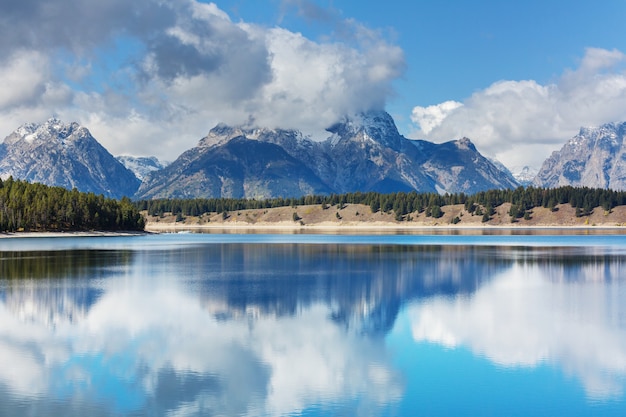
{"points": [[519, 79], [453, 47]]}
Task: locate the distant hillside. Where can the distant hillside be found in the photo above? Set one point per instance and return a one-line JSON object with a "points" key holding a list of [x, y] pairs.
{"points": [[531, 206], [359, 216]]}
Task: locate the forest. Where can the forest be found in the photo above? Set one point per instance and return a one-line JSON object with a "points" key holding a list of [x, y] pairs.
{"points": [[37, 207], [40, 208], [522, 199]]}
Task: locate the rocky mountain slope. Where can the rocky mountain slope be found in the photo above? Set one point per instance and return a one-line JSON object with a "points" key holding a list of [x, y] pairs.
{"points": [[457, 166], [66, 155], [236, 168], [596, 158], [364, 153]]}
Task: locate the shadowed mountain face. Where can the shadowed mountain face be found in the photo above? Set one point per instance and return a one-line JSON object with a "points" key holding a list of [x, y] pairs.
{"points": [[239, 168], [457, 166], [596, 158], [65, 155], [363, 153]]}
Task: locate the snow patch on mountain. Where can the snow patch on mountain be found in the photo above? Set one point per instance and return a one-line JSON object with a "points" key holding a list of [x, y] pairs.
{"points": [[596, 158], [59, 154], [141, 166], [525, 175]]}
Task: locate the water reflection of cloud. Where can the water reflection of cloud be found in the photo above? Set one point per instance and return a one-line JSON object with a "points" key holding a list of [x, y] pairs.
{"points": [[150, 346], [530, 314]]}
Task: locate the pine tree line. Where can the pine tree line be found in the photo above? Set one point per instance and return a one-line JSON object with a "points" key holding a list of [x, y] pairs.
{"points": [[522, 200], [37, 207]]}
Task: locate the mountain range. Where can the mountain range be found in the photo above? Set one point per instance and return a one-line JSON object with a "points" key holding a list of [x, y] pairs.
{"points": [[364, 152]]}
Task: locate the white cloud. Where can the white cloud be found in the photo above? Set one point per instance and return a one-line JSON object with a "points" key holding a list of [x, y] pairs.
{"points": [[24, 79], [179, 68], [528, 316], [428, 118], [29, 91], [315, 83], [521, 122]]}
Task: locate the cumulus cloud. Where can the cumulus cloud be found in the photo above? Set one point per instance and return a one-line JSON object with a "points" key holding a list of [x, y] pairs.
{"points": [[521, 122], [430, 117], [77, 25], [172, 70]]}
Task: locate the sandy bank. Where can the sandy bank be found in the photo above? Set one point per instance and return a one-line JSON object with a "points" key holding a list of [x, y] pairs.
{"points": [[357, 218]]}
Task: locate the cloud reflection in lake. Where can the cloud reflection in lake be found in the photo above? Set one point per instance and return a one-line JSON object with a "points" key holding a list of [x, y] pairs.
{"points": [[147, 343], [571, 316], [210, 328]]}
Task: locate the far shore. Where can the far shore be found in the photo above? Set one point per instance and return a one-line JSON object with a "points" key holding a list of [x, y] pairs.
{"points": [[353, 229], [356, 219], [160, 227], [90, 233], [359, 218]]}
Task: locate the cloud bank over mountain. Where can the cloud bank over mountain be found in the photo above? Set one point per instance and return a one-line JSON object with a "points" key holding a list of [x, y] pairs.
{"points": [[521, 122], [153, 75]]}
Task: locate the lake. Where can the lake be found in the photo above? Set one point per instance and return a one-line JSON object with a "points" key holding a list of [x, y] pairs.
{"points": [[314, 325]]}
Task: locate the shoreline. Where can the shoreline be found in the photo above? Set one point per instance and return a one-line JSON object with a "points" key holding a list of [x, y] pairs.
{"points": [[91, 233], [382, 229], [357, 218], [355, 229], [156, 227]]}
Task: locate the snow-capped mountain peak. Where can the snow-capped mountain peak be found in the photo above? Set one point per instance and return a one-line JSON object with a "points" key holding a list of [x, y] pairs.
{"points": [[374, 126], [66, 155], [466, 144], [52, 130], [596, 157]]}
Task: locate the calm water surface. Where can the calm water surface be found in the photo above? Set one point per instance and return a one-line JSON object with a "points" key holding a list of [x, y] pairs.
{"points": [[313, 325]]}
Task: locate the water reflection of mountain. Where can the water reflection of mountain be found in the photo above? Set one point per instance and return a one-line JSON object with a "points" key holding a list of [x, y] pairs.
{"points": [[574, 264], [56, 286], [364, 285]]}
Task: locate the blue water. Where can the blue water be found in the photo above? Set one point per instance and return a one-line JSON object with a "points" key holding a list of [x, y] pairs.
{"points": [[313, 325]]}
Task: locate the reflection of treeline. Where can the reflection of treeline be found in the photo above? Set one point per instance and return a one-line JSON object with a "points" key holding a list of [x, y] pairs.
{"points": [[37, 207], [60, 264], [365, 285], [522, 199], [605, 266]]}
